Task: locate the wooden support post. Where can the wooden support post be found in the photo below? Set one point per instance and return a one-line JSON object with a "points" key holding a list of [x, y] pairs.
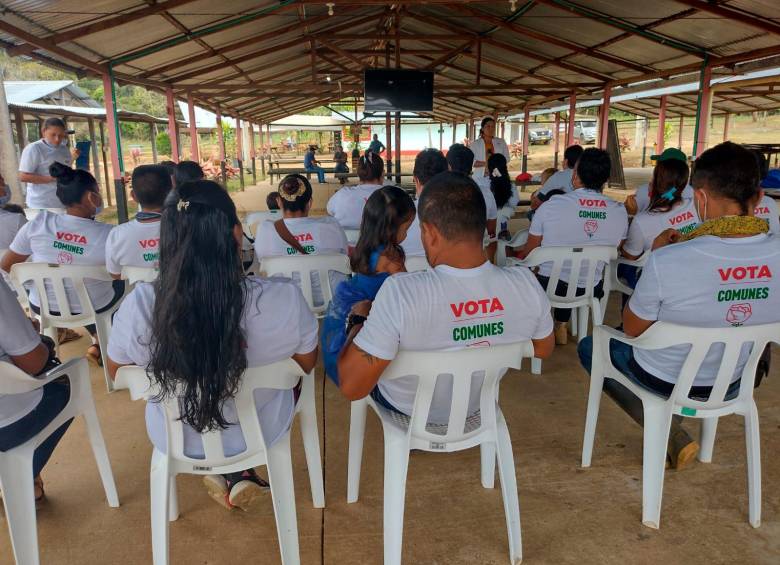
{"points": [[454, 132], [680, 134], [603, 131], [21, 129], [388, 128], [94, 149], [526, 136], [570, 121], [173, 128], [105, 161], [659, 140], [703, 108], [221, 140], [240, 152], [398, 147], [262, 151], [153, 135], [9, 160], [194, 153], [115, 143], [441, 137], [252, 153], [556, 137], [726, 126]]}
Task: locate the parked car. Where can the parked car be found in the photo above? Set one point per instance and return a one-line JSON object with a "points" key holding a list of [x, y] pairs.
{"points": [[539, 136], [585, 131]]}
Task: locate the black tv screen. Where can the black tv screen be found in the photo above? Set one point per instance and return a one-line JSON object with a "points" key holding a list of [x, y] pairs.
{"points": [[396, 90]]}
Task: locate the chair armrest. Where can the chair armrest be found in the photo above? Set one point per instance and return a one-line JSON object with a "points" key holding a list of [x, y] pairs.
{"points": [[648, 340], [638, 262], [62, 370], [135, 380]]}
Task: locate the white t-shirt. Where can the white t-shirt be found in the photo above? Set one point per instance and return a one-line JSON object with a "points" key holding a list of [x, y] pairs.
{"points": [[348, 203], [478, 147], [36, 159], [561, 180], [490, 201], [707, 282], [767, 210], [642, 196], [648, 224], [412, 245], [133, 244], [449, 308], [582, 217], [16, 338], [10, 224], [66, 240], [318, 236], [277, 324]]}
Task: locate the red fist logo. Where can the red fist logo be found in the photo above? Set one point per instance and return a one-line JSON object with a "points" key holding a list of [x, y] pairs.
{"points": [[591, 227], [738, 314]]}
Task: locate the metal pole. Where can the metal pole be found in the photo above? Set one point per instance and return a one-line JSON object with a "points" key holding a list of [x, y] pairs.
{"points": [[173, 130], [526, 136], [221, 140], [680, 134], [556, 137], [194, 153], [703, 102], [9, 160], [726, 127], [95, 157], [454, 131], [262, 151], [239, 153], [153, 134], [105, 161], [252, 151], [115, 142], [604, 118], [572, 115], [659, 139]]}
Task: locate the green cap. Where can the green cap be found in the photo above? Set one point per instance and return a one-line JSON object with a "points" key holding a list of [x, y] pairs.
{"points": [[670, 153]]}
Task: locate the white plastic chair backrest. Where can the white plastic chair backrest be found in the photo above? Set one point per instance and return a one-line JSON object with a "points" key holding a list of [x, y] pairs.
{"points": [[282, 375], [254, 219], [582, 261], [518, 239], [614, 280], [352, 235], [139, 274], [55, 275], [416, 263], [304, 265], [461, 365], [662, 335], [15, 381]]}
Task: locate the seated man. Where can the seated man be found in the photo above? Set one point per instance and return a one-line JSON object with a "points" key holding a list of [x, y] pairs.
{"points": [[428, 163], [461, 160], [561, 181], [582, 217], [311, 164], [425, 310], [137, 242]]}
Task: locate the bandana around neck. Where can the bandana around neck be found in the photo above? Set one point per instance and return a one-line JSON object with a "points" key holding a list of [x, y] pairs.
{"points": [[729, 226]]}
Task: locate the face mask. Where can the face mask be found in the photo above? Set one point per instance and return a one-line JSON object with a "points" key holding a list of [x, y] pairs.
{"points": [[6, 198]]}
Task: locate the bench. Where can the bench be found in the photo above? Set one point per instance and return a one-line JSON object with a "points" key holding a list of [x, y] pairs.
{"points": [[281, 172]]}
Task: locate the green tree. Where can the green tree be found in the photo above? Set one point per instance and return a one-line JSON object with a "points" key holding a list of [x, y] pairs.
{"points": [[163, 142]]}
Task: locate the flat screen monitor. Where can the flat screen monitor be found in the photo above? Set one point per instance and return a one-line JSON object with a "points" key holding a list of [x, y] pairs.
{"points": [[396, 90]]}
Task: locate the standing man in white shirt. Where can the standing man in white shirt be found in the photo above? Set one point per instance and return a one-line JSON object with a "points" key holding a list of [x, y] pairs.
{"points": [[463, 301], [428, 163], [561, 180], [34, 165], [582, 217], [137, 242]]}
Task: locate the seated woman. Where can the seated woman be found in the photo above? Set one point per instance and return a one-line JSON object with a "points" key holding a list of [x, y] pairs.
{"points": [[298, 234], [341, 158], [73, 238], [347, 204], [23, 416], [504, 192], [691, 283], [378, 254], [202, 323]]}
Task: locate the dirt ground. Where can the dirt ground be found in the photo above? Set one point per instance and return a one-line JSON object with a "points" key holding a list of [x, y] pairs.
{"points": [[569, 514]]}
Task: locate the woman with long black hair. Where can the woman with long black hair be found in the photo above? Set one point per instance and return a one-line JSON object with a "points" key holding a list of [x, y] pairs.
{"points": [[202, 323]]}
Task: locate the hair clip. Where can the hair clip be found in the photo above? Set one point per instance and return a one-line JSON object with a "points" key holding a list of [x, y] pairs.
{"points": [[669, 194], [370, 156], [182, 205], [496, 173], [300, 190]]}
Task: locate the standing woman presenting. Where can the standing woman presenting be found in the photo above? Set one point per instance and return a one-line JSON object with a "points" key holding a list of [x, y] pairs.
{"points": [[34, 165], [486, 146]]}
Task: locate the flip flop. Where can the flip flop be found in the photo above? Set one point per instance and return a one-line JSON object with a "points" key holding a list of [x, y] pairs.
{"points": [[92, 356]]}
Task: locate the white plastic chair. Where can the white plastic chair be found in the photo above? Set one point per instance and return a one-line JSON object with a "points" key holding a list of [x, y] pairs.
{"points": [[135, 275], [352, 236], [16, 479], [486, 429], [416, 263], [517, 240], [658, 411], [304, 265], [39, 274], [617, 285], [582, 262], [283, 375], [253, 219]]}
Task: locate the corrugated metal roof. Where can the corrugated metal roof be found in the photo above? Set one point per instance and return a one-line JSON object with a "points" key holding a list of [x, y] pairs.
{"points": [[81, 111], [25, 91]]}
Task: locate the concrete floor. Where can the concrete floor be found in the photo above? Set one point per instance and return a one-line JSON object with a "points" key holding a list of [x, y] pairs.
{"points": [[569, 514]]}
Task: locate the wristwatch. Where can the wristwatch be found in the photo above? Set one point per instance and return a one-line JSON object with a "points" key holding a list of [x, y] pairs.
{"points": [[354, 320]]}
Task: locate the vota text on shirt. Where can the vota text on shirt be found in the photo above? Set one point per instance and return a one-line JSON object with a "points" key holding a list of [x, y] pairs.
{"points": [[70, 242], [743, 275], [150, 256], [479, 309], [302, 238], [589, 213]]}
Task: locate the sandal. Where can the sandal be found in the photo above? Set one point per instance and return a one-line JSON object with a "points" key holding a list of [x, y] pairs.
{"points": [[66, 335], [244, 490], [93, 355], [40, 494]]}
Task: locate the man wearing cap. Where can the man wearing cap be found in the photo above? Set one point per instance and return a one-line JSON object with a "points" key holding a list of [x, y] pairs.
{"points": [[640, 201]]}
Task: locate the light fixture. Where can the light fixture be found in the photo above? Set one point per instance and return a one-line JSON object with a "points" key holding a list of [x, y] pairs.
{"points": [[513, 4], [330, 7], [327, 78]]}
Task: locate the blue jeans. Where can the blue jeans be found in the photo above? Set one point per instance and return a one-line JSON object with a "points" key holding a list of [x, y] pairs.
{"points": [[320, 173], [55, 397]]}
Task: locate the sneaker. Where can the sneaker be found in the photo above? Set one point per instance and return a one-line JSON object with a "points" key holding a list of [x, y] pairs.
{"points": [[216, 485], [561, 333], [244, 490], [681, 448]]}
